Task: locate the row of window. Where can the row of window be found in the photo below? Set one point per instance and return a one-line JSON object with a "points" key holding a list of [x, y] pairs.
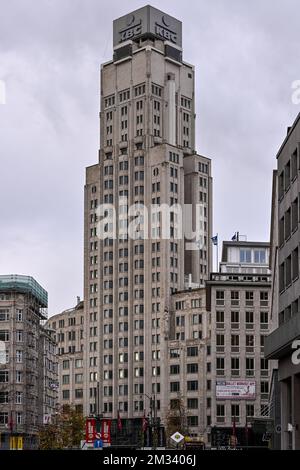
{"points": [[289, 270], [62, 323], [236, 362], [5, 335], [70, 336], [78, 364], [66, 379], [288, 174], [289, 311], [66, 395], [19, 376], [289, 222], [248, 296], [4, 418], [5, 314], [235, 318]]}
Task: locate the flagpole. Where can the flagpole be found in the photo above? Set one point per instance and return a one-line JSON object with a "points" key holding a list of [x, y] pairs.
{"points": [[217, 252]]}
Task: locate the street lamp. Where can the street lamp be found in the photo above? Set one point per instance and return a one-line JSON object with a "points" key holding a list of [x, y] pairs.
{"points": [[153, 414]]}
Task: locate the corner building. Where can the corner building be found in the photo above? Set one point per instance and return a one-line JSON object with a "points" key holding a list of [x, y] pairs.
{"points": [[147, 135]]}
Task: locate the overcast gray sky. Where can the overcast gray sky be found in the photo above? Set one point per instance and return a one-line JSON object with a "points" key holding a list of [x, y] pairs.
{"points": [[246, 55]]}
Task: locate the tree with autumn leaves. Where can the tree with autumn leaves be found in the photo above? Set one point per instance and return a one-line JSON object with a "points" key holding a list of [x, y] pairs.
{"points": [[65, 431], [176, 419]]}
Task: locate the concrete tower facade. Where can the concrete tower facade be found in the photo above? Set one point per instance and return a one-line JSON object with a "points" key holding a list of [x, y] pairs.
{"points": [[146, 159]]}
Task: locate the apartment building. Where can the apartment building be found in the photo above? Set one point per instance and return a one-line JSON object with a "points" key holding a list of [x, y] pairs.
{"points": [[188, 360], [27, 361], [69, 335]]}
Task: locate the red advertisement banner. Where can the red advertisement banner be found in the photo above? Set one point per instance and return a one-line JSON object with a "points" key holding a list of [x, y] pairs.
{"points": [[90, 430], [106, 426]]}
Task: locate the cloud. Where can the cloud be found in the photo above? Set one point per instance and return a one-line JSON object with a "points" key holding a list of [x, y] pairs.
{"points": [[246, 58]]}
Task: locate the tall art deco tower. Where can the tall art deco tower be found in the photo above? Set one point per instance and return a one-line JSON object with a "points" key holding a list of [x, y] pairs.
{"points": [[147, 157]]}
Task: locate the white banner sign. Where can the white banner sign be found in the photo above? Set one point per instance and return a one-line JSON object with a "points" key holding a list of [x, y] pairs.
{"points": [[235, 389]]}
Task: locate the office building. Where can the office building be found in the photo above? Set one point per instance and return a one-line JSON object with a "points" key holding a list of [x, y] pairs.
{"points": [[27, 361], [147, 158], [283, 343], [69, 335], [238, 299]]}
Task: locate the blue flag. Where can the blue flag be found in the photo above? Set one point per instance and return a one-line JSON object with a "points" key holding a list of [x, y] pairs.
{"points": [[215, 240]]}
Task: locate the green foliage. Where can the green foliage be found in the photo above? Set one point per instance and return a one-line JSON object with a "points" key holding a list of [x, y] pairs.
{"points": [[64, 432]]}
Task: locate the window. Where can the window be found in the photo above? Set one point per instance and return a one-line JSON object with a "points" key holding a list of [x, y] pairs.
{"points": [[65, 379], [220, 297], [287, 224], [19, 356], [3, 418], [264, 320], [192, 352], [192, 421], [192, 403], [4, 335], [174, 353], [19, 398], [235, 320], [249, 366], [295, 212], [245, 256], [4, 314], [3, 376], [78, 393], [66, 394], [235, 366], [250, 410], [220, 320], [78, 378], [220, 340], [3, 398], [220, 413], [235, 411], [260, 256], [235, 343], [264, 389], [192, 385], [19, 315], [249, 343], [295, 264], [175, 386], [66, 364], [235, 297], [287, 176], [192, 368], [174, 369], [294, 165], [19, 376], [220, 365], [196, 303], [264, 365], [249, 320]]}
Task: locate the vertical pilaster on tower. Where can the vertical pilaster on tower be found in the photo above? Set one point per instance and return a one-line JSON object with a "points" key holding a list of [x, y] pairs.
{"points": [[171, 96]]}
